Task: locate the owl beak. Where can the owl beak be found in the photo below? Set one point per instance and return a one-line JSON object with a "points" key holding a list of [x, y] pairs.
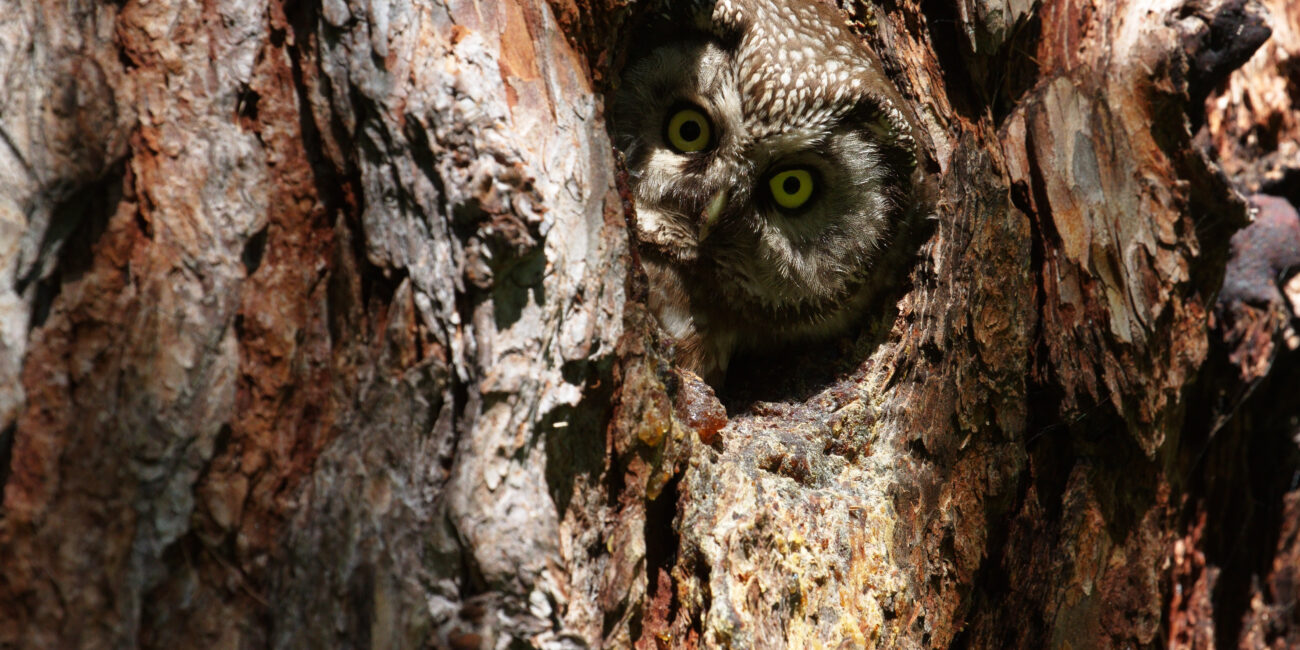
{"points": [[711, 214]]}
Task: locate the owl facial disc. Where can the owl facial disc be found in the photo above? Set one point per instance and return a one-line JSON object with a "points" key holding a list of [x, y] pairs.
{"points": [[769, 159]]}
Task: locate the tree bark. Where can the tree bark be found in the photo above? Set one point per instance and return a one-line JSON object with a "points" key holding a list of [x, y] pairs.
{"points": [[320, 326]]}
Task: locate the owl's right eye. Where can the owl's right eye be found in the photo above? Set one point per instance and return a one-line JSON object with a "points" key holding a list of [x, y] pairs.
{"points": [[688, 130]]}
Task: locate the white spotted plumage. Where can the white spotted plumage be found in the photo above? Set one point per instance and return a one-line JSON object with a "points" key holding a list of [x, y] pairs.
{"points": [[783, 86]]}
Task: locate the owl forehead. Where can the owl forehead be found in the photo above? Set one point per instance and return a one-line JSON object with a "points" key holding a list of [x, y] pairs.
{"points": [[797, 66]]}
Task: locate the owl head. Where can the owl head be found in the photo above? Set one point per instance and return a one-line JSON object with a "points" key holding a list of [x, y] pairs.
{"points": [[768, 156]]}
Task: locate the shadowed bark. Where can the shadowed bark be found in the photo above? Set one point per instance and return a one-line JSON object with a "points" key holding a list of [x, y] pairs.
{"points": [[320, 326]]}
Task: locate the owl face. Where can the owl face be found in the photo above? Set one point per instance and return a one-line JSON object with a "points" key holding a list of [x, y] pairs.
{"points": [[767, 159]]}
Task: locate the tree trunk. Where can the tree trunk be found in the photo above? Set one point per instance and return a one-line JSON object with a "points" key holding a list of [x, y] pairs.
{"points": [[320, 326]]}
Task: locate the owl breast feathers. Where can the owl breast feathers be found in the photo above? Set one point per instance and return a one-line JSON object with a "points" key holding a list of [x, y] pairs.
{"points": [[769, 158]]}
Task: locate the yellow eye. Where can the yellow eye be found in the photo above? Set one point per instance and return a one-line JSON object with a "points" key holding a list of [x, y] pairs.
{"points": [[791, 188], [689, 130]]}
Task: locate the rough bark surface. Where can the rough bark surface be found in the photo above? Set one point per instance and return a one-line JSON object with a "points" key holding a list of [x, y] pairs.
{"points": [[320, 326], [1235, 581]]}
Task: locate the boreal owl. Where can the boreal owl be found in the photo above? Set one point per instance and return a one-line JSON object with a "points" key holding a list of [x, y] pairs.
{"points": [[769, 158]]}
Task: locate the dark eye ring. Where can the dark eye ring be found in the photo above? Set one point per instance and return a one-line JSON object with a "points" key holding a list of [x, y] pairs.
{"points": [[792, 188], [688, 129]]}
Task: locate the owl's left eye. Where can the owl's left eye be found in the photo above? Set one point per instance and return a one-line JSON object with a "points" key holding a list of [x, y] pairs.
{"points": [[688, 130], [792, 188]]}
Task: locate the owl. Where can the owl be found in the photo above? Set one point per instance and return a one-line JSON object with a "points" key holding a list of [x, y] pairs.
{"points": [[768, 157]]}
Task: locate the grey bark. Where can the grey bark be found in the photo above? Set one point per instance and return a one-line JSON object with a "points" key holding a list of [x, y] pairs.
{"points": [[320, 326]]}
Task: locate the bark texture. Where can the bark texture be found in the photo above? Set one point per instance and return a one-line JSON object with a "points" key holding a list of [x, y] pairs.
{"points": [[320, 327], [1235, 580]]}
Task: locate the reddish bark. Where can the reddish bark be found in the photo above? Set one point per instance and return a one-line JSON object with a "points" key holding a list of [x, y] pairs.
{"points": [[323, 328]]}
